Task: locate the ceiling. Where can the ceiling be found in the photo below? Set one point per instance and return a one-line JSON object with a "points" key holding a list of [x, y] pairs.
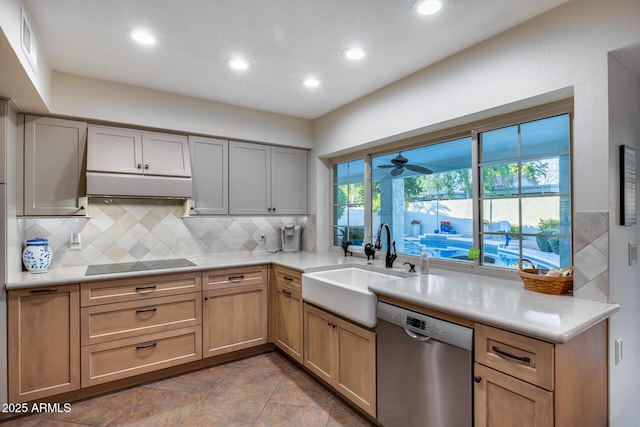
{"points": [[285, 40]]}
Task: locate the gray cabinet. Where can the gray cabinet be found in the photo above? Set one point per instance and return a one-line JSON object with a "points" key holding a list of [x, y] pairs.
{"points": [[267, 180], [209, 159], [132, 151], [54, 174]]}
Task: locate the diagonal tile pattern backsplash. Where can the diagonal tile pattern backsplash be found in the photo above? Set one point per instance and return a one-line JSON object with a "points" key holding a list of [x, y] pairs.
{"points": [[123, 230]]}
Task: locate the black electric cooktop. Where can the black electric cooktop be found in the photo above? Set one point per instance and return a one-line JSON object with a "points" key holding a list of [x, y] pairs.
{"points": [[125, 267]]}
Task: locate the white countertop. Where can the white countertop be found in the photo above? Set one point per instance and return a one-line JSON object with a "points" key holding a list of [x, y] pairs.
{"points": [[497, 302]]}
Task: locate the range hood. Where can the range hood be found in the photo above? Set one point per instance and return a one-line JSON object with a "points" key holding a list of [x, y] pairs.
{"points": [[128, 185], [135, 163]]}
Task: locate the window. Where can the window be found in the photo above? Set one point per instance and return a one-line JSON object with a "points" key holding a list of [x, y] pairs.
{"points": [[525, 174], [504, 191], [348, 202], [425, 196]]}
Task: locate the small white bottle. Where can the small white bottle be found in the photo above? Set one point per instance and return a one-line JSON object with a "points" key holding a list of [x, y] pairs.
{"points": [[424, 262]]}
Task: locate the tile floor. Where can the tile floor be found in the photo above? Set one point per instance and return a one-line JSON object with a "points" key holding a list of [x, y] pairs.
{"points": [[264, 390]]}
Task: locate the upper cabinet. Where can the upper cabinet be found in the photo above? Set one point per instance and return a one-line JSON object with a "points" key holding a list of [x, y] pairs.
{"points": [[54, 175], [129, 162], [209, 159], [267, 180], [132, 151]]}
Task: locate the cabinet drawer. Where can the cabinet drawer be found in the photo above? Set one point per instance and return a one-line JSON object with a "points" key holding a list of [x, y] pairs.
{"points": [[288, 278], [526, 358], [110, 291], [109, 322], [115, 360], [227, 277]]}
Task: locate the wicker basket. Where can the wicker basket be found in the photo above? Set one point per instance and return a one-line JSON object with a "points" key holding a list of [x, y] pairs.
{"points": [[533, 281]]}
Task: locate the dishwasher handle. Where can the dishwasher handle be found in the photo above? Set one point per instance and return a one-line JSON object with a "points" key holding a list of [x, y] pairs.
{"points": [[415, 336]]}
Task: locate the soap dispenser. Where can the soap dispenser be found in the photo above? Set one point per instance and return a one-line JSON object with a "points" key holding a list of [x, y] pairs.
{"points": [[424, 261]]}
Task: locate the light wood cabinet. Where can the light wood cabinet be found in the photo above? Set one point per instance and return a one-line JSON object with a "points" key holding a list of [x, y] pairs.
{"points": [[139, 288], [43, 342], [54, 173], [234, 309], [528, 382], [135, 152], [343, 354], [114, 360], [134, 326], [267, 180], [287, 321], [209, 159]]}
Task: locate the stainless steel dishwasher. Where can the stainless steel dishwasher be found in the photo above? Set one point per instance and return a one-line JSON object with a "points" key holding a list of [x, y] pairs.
{"points": [[425, 370]]}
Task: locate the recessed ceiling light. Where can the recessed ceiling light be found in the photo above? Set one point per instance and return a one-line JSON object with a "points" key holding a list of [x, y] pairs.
{"points": [[311, 82], [239, 64], [428, 7], [142, 37], [354, 53]]}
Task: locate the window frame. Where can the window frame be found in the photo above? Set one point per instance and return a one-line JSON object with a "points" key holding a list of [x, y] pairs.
{"points": [[473, 130]]}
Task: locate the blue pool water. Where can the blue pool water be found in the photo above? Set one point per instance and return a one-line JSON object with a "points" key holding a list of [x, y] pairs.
{"points": [[443, 247]]}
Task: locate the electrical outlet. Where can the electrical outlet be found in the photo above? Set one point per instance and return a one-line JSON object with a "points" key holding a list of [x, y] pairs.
{"points": [[618, 351], [75, 242], [633, 253]]}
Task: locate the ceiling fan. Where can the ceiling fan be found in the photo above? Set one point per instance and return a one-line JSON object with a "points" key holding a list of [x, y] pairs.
{"points": [[399, 163]]}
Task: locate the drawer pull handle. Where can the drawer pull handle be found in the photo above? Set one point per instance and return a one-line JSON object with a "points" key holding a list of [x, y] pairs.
{"points": [[143, 346], [236, 278], [145, 288], [287, 278], [286, 292], [146, 310], [524, 359], [43, 291]]}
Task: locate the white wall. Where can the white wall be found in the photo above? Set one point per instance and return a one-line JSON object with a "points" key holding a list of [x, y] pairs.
{"points": [[78, 96], [560, 53], [624, 285], [10, 24], [548, 57]]}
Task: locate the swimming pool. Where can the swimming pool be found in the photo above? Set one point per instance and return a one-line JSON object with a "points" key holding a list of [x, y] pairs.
{"points": [[441, 246]]}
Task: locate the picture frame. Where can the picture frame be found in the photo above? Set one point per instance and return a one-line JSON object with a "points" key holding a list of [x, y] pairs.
{"points": [[627, 185]]}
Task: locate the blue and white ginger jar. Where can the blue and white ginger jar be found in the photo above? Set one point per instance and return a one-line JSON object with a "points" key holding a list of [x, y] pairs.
{"points": [[36, 256]]}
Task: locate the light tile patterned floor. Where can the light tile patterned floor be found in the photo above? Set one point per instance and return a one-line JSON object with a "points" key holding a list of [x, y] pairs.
{"points": [[264, 390]]}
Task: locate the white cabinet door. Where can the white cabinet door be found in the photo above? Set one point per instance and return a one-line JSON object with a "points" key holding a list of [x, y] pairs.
{"points": [[165, 154], [54, 174], [114, 150], [288, 181], [209, 157], [249, 183]]}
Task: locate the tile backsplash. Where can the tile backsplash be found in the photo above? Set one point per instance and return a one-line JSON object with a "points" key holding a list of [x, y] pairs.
{"points": [[124, 230]]}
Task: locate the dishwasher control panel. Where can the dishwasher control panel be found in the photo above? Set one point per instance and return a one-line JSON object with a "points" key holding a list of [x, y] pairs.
{"points": [[441, 330]]}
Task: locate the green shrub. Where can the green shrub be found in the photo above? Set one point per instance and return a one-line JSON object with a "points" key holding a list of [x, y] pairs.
{"points": [[548, 227]]}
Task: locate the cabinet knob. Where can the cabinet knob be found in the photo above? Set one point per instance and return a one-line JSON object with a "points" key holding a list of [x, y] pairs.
{"points": [[139, 166], [146, 165], [477, 379]]}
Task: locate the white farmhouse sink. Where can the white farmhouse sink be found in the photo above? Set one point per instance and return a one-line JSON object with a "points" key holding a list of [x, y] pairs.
{"points": [[344, 291]]}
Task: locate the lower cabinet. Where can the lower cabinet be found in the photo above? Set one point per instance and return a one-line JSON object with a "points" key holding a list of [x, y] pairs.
{"points": [[135, 326], [528, 382], [234, 309], [114, 360], [343, 354], [43, 342], [286, 312], [502, 400]]}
